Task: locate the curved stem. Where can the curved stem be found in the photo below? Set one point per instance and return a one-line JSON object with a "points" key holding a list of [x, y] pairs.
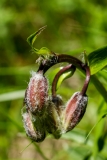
{"points": [[70, 59], [69, 67], [47, 63]]}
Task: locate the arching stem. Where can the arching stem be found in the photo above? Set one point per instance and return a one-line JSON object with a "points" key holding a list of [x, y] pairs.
{"points": [[69, 67], [47, 63], [55, 59]]}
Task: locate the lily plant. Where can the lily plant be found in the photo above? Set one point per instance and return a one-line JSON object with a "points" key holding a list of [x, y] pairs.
{"points": [[45, 113]]}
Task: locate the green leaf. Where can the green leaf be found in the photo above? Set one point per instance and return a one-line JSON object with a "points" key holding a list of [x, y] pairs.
{"points": [[99, 87], [64, 76], [43, 51], [97, 60], [31, 39]]}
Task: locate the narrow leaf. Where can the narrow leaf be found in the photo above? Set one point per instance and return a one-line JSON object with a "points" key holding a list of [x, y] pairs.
{"points": [[103, 116], [63, 74], [63, 77], [31, 39]]}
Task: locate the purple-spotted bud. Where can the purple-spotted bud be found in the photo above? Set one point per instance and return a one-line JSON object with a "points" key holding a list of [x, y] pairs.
{"points": [[75, 109], [37, 93], [35, 131]]}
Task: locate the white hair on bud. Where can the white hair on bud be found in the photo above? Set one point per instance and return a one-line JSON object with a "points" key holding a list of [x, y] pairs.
{"points": [[28, 125], [37, 92], [81, 100], [74, 111], [32, 73], [37, 75], [28, 121]]}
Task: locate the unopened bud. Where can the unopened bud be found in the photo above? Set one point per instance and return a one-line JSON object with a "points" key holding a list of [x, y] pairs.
{"points": [[53, 117], [74, 111], [57, 100], [37, 93], [34, 131]]}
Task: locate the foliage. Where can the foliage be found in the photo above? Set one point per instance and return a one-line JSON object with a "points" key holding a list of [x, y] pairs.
{"points": [[72, 27]]}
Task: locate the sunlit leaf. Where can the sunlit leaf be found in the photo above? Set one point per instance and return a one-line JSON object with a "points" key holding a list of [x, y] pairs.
{"points": [[64, 76], [98, 59], [42, 51]]}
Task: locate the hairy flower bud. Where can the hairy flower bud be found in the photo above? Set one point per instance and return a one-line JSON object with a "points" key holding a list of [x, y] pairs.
{"points": [[33, 126], [53, 116], [74, 111], [37, 93]]}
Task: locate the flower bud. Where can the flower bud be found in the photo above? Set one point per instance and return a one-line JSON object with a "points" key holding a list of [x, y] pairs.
{"points": [[37, 93], [53, 120], [57, 100], [74, 111], [35, 131]]}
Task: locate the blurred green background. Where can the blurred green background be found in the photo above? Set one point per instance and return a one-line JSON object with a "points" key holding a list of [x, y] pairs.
{"points": [[72, 27]]}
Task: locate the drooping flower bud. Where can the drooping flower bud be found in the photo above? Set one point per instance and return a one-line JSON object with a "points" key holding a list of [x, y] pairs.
{"points": [[33, 126], [53, 116], [37, 93], [75, 109]]}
